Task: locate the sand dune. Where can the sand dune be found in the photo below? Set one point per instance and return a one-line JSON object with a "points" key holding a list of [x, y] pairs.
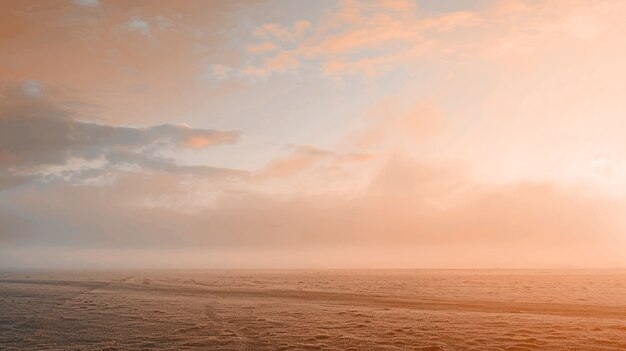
{"points": [[316, 310]]}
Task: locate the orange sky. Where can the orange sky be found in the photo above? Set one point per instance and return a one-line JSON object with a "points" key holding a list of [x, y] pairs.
{"points": [[293, 134]]}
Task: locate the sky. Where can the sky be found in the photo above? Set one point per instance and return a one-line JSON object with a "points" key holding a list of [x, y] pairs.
{"points": [[312, 134]]}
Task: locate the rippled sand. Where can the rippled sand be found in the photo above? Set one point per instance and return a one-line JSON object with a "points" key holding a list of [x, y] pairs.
{"points": [[315, 310]]}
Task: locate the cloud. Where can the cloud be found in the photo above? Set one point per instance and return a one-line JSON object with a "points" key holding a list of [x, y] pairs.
{"points": [[262, 47], [282, 62], [406, 205], [389, 123], [87, 3], [372, 38], [313, 198], [31, 88], [128, 160], [140, 25], [355, 38], [150, 26], [217, 72], [304, 158], [37, 135]]}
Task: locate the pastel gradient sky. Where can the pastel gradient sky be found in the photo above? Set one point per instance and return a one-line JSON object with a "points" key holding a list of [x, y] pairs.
{"points": [[312, 134]]}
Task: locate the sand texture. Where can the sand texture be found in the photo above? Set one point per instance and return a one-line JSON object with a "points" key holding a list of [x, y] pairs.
{"points": [[314, 310]]}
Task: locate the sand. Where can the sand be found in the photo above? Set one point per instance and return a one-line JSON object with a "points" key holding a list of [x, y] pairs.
{"points": [[314, 310]]}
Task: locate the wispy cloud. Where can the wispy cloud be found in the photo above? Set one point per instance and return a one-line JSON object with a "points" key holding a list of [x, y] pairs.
{"points": [[355, 38]]}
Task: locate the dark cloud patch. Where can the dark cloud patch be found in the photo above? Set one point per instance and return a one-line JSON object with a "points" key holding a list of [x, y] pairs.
{"points": [[36, 133]]}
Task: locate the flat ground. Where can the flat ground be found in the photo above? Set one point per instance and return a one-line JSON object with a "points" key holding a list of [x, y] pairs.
{"points": [[314, 310]]}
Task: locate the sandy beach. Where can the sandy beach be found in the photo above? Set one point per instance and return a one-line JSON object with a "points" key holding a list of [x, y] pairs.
{"points": [[315, 310]]}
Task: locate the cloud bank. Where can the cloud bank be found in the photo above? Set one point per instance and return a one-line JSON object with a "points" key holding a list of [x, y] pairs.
{"points": [[39, 138]]}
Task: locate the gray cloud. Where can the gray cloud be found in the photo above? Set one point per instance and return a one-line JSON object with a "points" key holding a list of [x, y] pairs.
{"points": [[36, 133], [87, 3], [162, 164]]}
